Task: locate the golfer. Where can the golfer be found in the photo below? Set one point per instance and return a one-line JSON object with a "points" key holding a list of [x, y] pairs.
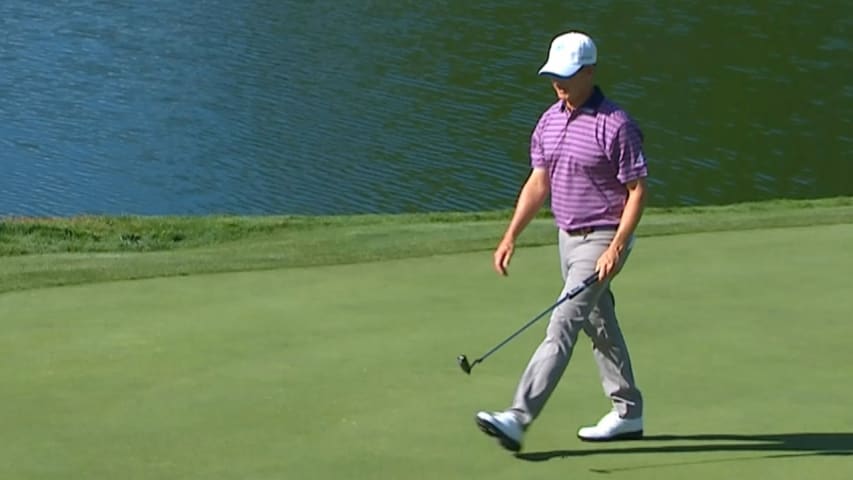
{"points": [[587, 153]]}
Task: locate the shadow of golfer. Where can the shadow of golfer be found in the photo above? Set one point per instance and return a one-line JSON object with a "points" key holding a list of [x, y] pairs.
{"points": [[775, 445]]}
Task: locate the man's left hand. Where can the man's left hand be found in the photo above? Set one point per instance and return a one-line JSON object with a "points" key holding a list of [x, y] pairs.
{"points": [[606, 264]]}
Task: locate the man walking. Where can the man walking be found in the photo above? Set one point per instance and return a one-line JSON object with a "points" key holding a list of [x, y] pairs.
{"points": [[587, 153]]}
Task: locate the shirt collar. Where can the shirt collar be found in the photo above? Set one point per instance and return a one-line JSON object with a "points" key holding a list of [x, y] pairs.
{"points": [[590, 106]]}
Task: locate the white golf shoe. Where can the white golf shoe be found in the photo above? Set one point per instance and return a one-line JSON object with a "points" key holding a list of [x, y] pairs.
{"points": [[613, 427], [502, 425]]}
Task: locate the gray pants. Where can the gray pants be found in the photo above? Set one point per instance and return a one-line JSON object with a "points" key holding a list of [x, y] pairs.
{"points": [[593, 311]]}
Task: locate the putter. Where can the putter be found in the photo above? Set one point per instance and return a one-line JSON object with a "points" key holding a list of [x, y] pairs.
{"points": [[466, 366]]}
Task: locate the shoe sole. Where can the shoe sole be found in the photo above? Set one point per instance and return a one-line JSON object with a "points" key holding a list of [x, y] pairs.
{"points": [[492, 431], [638, 435]]}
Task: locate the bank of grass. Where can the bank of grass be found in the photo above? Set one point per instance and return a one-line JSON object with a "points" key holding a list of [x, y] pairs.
{"points": [[40, 252]]}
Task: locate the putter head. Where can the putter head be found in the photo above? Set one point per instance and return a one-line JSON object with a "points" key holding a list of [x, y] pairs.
{"points": [[462, 360]]}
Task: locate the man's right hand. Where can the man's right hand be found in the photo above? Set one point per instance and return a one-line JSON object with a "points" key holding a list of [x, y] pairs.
{"points": [[503, 254], [532, 195]]}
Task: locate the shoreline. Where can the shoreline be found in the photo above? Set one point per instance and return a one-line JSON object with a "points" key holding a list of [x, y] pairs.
{"points": [[48, 252]]}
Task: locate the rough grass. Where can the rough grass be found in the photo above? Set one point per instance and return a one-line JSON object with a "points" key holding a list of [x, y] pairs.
{"points": [[43, 252], [25, 235]]}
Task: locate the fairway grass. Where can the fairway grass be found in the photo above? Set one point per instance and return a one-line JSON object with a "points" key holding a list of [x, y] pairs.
{"points": [[740, 340]]}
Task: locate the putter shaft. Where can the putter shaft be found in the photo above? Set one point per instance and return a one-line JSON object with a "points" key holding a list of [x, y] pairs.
{"points": [[466, 366]]}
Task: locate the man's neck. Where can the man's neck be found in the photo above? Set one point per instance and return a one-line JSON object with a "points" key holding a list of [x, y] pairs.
{"points": [[581, 99]]}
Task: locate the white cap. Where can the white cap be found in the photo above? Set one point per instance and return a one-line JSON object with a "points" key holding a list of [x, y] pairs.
{"points": [[569, 52]]}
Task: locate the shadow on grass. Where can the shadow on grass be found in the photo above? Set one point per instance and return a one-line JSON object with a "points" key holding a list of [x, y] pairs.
{"points": [[780, 445]]}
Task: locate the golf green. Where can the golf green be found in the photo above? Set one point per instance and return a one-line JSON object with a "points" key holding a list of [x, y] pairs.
{"points": [[740, 340]]}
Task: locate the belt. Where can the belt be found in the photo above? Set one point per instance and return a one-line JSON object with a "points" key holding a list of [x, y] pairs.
{"points": [[584, 231]]}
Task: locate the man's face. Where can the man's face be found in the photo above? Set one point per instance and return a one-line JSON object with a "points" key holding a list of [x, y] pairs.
{"points": [[568, 89]]}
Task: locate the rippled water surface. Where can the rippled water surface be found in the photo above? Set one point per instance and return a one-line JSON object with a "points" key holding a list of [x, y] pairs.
{"points": [[376, 106]]}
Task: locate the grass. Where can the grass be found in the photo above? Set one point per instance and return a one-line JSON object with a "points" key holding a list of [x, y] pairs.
{"points": [[38, 252], [740, 341]]}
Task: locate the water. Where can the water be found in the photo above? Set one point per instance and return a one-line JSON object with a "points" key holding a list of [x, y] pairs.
{"points": [[349, 106]]}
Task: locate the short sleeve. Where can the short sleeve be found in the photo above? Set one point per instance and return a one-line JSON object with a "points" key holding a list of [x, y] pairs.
{"points": [[537, 153], [626, 152]]}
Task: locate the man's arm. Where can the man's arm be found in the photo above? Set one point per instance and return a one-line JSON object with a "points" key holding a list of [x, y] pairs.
{"points": [[631, 215], [634, 206], [530, 200]]}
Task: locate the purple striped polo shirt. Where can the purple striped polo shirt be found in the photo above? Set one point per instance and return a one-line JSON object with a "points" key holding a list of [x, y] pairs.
{"points": [[590, 153]]}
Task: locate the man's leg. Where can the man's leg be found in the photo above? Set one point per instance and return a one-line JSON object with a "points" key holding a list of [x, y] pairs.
{"points": [[550, 359], [614, 365], [614, 362]]}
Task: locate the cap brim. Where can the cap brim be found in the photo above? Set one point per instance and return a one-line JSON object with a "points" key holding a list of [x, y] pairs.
{"points": [[559, 71]]}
